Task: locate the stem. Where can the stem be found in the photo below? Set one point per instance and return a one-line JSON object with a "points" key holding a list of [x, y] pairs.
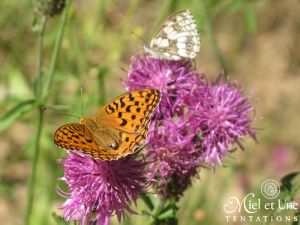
{"points": [[42, 99], [39, 89], [31, 187], [40, 44], [55, 54], [212, 36]]}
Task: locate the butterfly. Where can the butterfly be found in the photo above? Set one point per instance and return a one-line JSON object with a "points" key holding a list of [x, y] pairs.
{"points": [[177, 39], [116, 130]]}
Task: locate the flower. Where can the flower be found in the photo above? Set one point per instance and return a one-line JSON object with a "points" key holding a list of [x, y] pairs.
{"points": [[223, 115], [175, 80], [175, 155], [173, 148], [198, 122], [99, 189]]}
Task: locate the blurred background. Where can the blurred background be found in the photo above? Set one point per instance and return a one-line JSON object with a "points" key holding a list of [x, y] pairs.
{"points": [[257, 42]]}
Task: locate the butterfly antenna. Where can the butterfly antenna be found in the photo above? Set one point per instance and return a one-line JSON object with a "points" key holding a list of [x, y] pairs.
{"points": [[81, 98], [66, 114], [139, 37]]}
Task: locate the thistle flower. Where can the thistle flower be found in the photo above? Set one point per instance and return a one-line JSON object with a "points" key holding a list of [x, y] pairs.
{"points": [[175, 80], [99, 189], [175, 154], [173, 147], [223, 115], [197, 121]]}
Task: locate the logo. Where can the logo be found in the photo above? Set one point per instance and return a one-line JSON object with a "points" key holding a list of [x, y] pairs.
{"points": [[270, 189], [260, 208]]}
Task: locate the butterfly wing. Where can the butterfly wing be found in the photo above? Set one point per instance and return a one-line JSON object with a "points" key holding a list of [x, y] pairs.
{"points": [[177, 39], [127, 119], [76, 137], [131, 111]]}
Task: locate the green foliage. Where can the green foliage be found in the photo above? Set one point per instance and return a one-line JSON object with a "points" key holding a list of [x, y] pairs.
{"points": [[16, 112], [288, 186]]}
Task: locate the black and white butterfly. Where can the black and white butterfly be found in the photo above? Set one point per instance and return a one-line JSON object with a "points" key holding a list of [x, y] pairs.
{"points": [[177, 39]]}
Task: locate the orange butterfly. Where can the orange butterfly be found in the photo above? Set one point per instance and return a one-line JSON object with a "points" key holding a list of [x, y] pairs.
{"points": [[116, 130]]}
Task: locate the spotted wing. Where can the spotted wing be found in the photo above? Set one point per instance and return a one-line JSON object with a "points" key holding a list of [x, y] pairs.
{"points": [[177, 39], [127, 119], [76, 137], [131, 111]]}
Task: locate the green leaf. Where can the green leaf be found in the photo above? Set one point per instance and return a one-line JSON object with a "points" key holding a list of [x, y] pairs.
{"points": [[146, 213], [16, 112], [287, 181], [171, 204], [296, 222], [170, 213], [147, 200], [59, 220]]}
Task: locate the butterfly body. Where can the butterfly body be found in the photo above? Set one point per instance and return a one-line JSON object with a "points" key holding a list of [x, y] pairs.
{"points": [[177, 39], [103, 135], [117, 129]]}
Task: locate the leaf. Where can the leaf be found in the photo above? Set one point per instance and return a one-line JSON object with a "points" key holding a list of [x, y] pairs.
{"points": [[146, 213], [287, 181], [147, 200], [296, 215], [168, 214], [16, 112]]}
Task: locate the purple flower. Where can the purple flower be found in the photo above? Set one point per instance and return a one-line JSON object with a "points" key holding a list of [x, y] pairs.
{"points": [[174, 149], [99, 189], [175, 154], [175, 80], [223, 115], [197, 121]]}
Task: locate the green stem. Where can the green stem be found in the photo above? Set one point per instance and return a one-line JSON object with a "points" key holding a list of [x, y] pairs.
{"points": [[55, 54], [212, 36], [31, 187], [42, 99], [40, 44]]}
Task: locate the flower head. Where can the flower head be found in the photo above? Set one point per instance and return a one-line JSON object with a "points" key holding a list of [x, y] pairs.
{"points": [[197, 121], [173, 146], [223, 115], [175, 154], [175, 80], [99, 189]]}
